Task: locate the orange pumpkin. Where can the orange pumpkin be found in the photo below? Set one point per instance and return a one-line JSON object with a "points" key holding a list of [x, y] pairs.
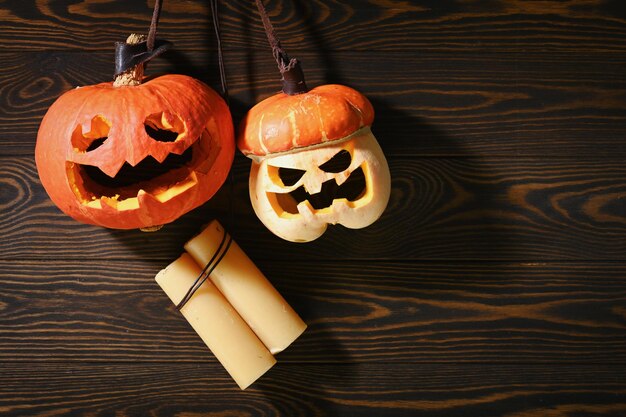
{"points": [[296, 143], [135, 156]]}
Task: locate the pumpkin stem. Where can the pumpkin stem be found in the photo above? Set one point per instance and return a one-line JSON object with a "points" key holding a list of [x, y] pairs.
{"points": [[293, 78], [134, 75]]}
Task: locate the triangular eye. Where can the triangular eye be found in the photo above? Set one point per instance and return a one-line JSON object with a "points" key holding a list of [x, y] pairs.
{"points": [[340, 162], [290, 176]]}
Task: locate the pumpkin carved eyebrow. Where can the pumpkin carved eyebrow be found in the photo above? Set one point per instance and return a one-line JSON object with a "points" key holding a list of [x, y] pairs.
{"points": [[338, 163], [97, 134]]}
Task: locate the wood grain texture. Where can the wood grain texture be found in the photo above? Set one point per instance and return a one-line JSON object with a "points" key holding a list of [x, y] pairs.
{"points": [[505, 104], [493, 285], [373, 25], [388, 312], [311, 390], [440, 208]]}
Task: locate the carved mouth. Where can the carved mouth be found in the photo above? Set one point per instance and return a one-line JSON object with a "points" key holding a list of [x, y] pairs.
{"points": [[351, 190], [164, 180]]}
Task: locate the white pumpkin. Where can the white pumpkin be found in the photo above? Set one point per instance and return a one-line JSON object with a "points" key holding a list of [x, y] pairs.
{"points": [[301, 134], [297, 221]]}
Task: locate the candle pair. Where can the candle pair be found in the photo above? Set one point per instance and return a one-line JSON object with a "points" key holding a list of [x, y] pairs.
{"points": [[237, 312]]}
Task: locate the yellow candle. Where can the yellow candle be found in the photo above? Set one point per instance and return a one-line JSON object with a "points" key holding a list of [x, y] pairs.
{"points": [[246, 288], [230, 339]]}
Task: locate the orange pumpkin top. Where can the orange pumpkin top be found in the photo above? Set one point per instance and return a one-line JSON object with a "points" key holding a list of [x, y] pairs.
{"points": [[284, 122], [178, 98]]}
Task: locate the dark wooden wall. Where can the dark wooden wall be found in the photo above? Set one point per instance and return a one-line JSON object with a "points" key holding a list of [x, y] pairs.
{"points": [[494, 284]]}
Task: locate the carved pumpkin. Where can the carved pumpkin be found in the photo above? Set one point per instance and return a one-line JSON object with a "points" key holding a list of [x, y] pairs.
{"points": [[99, 149], [305, 149], [135, 156]]}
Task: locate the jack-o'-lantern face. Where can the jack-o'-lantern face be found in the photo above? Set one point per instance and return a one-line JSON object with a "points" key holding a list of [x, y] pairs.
{"points": [[296, 195], [135, 156]]}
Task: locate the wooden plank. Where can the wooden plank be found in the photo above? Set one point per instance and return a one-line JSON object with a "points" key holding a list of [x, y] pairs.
{"points": [[325, 25], [61, 389], [370, 312], [493, 284], [428, 104], [440, 208]]}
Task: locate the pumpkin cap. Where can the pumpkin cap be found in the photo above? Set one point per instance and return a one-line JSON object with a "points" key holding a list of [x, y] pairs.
{"points": [[283, 122]]}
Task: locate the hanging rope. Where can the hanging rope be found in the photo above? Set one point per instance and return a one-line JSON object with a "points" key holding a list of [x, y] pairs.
{"points": [[153, 25], [226, 241], [128, 56], [292, 75], [220, 56]]}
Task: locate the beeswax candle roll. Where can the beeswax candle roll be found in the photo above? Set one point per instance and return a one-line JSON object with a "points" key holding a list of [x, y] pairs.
{"points": [[246, 288], [221, 328]]}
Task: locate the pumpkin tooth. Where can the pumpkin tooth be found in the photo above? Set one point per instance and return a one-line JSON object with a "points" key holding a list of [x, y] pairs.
{"points": [[306, 210], [342, 177], [134, 157], [109, 201], [312, 185], [161, 154], [147, 200]]}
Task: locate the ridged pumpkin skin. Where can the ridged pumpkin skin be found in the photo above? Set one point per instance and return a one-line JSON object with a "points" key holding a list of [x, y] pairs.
{"points": [[173, 102], [283, 123]]}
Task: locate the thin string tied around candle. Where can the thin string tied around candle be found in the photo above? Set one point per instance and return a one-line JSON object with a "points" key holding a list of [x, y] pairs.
{"points": [[215, 260]]}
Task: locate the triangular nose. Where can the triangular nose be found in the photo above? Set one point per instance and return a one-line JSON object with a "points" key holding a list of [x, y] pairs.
{"points": [[133, 154], [111, 167], [312, 183]]}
